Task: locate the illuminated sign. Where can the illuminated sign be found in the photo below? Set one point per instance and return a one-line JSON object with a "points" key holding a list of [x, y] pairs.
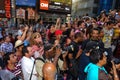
{"points": [[44, 4], [5, 8], [56, 5]]}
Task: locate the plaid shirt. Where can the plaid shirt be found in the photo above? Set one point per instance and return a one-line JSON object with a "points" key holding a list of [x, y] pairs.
{"points": [[6, 47]]}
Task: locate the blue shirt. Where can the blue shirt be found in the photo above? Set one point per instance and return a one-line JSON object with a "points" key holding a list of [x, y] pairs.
{"points": [[6, 47], [83, 62], [92, 71]]}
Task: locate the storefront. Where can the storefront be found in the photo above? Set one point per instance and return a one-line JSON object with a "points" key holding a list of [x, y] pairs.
{"points": [[25, 11], [50, 10]]}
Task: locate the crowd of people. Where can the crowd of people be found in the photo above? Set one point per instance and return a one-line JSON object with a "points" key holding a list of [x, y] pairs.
{"points": [[87, 48]]}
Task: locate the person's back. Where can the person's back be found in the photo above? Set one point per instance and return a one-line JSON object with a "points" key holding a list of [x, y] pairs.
{"points": [[83, 62]]}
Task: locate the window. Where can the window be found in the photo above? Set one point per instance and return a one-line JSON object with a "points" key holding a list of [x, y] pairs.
{"points": [[95, 10], [96, 1]]}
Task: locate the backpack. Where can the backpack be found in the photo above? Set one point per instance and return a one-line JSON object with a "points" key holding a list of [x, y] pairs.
{"points": [[40, 59], [34, 64], [103, 75], [59, 76]]}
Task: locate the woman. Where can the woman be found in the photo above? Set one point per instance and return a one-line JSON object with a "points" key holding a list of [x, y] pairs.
{"points": [[95, 70], [37, 44]]}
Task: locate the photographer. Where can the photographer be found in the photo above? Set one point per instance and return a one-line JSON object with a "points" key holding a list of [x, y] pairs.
{"points": [[73, 57], [95, 70], [51, 54]]}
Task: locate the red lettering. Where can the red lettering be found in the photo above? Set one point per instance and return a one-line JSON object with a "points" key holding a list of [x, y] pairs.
{"points": [[7, 8]]}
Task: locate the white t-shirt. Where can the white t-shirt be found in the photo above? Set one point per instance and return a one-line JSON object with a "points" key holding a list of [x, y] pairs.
{"points": [[27, 65]]}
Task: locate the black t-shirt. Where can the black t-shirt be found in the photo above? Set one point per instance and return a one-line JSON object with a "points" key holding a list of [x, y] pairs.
{"points": [[74, 49], [84, 43]]}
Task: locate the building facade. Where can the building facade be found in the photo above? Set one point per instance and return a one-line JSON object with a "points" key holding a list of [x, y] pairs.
{"points": [[93, 7], [82, 7]]}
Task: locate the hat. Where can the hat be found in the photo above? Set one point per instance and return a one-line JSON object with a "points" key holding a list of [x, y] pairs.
{"points": [[91, 45], [18, 43], [58, 32]]}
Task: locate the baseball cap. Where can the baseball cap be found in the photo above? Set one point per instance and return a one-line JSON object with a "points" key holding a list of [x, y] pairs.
{"points": [[91, 45], [58, 32]]}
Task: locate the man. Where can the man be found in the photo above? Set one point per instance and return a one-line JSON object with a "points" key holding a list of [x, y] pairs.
{"points": [[49, 71], [40, 26], [51, 55], [94, 34], [108, 35], [27, 63], [95, 69], [12, 69], [7, 46], [18, 47], [73, 55], [84, 59], [87, 45]]}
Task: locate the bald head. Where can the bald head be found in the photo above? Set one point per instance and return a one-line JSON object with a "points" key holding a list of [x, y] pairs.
{"points": [[49, 71]]}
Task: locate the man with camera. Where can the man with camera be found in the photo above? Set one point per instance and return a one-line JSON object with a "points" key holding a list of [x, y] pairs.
{"points": [[73, 56]]}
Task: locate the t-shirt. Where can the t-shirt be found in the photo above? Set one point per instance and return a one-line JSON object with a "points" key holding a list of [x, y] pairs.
{"points": [[6, 75], [74, 48], [83, 62], [17, 71], [95, 72], [107, 39]]}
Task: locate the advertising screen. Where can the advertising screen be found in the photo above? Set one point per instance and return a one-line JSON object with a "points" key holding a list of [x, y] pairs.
{"points": [[67, 2], [26, 3], [5, 8], [56, 5], [60, 5]]}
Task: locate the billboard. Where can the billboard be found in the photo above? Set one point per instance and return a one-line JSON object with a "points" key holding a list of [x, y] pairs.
{"points": [[20, 13], [31, 3], [5, 8], [56, 5], [31, 13]]}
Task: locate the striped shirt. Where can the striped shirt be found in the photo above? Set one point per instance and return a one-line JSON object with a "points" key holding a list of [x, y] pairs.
{"points": [[16, 71]]}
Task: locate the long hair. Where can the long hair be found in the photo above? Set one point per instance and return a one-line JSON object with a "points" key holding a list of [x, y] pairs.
{"points": [[33, 36]]}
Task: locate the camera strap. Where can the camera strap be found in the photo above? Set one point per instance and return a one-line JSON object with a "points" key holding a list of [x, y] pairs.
{"points": [[32, 70]]}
